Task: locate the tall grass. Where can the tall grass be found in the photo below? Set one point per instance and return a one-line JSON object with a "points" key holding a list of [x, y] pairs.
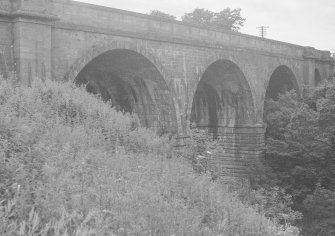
{"points": [[72, 165]]}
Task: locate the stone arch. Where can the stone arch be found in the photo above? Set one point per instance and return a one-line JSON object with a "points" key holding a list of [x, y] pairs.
{"points": [[317, 77], [104, 46], [282, 79], [222, 97], [132, 78]]}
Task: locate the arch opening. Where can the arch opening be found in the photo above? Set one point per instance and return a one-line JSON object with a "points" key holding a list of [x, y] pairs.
{"points": [[281, 81], [222, 98], [317, 77], [133, 84]]}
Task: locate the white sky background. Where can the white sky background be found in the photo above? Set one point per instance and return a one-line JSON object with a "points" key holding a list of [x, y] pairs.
{"points": [[303, 22]]}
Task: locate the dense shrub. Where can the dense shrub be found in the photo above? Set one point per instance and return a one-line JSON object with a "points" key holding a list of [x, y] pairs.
{"points": [[72, 165], [300, 154], [200, 151], [269, 200], [320, 212]]}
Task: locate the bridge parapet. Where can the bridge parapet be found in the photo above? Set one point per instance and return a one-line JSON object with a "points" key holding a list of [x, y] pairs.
{"points": [[80, 16], [30, 5], [27, 5], [28, 9], [92, 18], [312, 53]]}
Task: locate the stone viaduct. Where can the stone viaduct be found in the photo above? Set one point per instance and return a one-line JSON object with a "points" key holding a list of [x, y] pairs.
{"points": [[167, 72]]}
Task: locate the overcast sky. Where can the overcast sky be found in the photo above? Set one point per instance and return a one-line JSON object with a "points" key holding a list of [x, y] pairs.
{"points": [[303, 22]]}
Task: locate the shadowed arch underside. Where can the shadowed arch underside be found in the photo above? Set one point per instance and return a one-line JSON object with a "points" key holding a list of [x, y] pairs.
{"points": [[223, 98], [281, 81], [132, 84]]}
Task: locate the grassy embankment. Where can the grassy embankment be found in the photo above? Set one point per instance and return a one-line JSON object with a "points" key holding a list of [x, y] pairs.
{"points": [[72, 165]]}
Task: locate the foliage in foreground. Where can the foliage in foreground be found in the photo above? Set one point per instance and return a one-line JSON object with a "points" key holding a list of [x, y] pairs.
{"points": [[300, 155], [71, 165], [270, 201]]}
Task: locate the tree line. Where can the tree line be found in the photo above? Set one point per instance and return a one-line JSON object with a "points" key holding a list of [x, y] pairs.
{"points": [[227, 19]]}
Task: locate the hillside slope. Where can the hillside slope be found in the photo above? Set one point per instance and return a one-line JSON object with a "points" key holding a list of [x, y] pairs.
{"points": [[72, 165]]}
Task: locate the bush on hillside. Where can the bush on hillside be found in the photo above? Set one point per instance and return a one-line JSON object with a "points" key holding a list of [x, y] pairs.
{"points": [[72, 165], [320, 212], [271, 201], [300, 151]]}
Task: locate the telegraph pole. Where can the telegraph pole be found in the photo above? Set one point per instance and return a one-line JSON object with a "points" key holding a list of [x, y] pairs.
{"points": [[262, 30]]}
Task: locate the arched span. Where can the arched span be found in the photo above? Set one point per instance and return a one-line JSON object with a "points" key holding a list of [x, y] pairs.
{"points": [[223, 97], [131, 82], [282, 80], [317, 77], [105, 46]]}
